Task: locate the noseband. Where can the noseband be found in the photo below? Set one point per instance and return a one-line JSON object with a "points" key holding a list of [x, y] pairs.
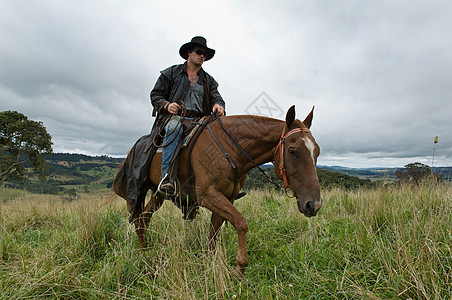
{"points": [[282, 167]]}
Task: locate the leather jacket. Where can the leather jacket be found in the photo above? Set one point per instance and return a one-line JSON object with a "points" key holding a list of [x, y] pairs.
{"points": [[172, 86]]}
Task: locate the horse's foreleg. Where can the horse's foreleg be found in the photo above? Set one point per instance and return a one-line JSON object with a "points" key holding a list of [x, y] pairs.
{"points": [[215, 225], [216, 202]]}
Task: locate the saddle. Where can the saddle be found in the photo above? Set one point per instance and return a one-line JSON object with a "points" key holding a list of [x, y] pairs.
{"points": [[190, 127]]}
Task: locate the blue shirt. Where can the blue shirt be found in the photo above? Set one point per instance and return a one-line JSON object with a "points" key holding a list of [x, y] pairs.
{"points": [[194, 97]]}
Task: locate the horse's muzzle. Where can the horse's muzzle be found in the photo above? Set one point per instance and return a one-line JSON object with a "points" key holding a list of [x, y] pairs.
{"points": [[310, 207]]}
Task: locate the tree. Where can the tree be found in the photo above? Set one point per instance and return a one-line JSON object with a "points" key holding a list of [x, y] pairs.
{"points": [[416, 172], [22, 141]]}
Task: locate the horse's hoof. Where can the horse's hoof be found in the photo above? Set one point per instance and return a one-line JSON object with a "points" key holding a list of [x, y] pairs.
{"points": [[238, 273]]}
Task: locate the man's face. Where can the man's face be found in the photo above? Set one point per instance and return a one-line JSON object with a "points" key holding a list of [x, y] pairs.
{"points": [[197, 56]]}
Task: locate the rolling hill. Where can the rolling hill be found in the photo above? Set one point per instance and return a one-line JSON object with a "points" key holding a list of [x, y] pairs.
{"points": [[72, 173]]}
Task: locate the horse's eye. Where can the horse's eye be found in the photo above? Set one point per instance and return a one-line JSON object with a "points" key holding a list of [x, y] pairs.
{"points": [[293, 152]]}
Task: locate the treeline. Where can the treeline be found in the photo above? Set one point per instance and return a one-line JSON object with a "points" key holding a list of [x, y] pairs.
{"points": [[77, 169], [76, 158]]}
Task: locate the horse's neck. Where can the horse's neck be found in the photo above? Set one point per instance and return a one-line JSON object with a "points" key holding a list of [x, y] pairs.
{"points": [[257, 135]]}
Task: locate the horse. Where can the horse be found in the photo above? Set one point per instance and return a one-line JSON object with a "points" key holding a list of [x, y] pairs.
{"points": [[219, 167]]}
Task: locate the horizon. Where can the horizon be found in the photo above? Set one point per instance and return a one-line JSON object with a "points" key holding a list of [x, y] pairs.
{"points": [[318, 165]]}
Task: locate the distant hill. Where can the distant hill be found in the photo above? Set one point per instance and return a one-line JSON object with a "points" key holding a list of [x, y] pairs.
{"points": [[364, 173], [382, 173], [72, 173], [445, 172]]}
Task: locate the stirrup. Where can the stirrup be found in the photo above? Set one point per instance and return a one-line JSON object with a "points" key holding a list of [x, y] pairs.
{"points": [[163, 192]]}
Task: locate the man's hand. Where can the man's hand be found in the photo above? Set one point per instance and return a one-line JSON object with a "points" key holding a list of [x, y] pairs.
{"points": [[219, 109], [173, 108]]}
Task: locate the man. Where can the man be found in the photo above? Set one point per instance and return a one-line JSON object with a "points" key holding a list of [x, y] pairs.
{"points": [[188, 85]]}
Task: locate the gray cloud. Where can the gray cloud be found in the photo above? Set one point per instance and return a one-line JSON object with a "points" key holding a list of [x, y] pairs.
{"points": [[378, 73]]}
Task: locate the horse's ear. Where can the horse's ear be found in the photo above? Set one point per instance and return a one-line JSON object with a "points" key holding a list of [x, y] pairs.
{"points": [[308, 120], [290, 116]]}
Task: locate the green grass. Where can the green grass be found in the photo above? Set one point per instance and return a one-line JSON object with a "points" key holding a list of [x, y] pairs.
{"points": [[385, 243]]}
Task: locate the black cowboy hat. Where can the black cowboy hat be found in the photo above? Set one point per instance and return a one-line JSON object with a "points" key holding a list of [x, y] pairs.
{"points": [[196, 41]]}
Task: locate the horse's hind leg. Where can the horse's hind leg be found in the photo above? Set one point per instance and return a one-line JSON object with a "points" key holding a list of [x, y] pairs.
{"points": [[142, 222]]}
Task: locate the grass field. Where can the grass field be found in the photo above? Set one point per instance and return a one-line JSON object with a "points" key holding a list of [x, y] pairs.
{"points": [[383, 243]]}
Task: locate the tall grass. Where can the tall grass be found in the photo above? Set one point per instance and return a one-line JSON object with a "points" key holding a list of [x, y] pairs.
{"points": [[389, 242]]}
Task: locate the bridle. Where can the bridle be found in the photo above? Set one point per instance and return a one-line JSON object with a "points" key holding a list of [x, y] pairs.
{"points": [[282, 167]]}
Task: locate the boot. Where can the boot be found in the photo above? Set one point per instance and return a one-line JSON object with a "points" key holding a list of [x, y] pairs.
{"points": [[166, 186]]}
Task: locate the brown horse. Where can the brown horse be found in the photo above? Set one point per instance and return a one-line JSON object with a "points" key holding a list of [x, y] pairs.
{"points": [[218, 177]]}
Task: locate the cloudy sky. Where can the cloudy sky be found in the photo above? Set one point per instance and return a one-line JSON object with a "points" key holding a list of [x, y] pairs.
{"points": [[378, 72]]}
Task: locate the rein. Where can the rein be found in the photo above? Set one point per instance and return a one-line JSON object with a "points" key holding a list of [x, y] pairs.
{"points": [[255, 165], [160, 130], [191, 178], [282, 166]]}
